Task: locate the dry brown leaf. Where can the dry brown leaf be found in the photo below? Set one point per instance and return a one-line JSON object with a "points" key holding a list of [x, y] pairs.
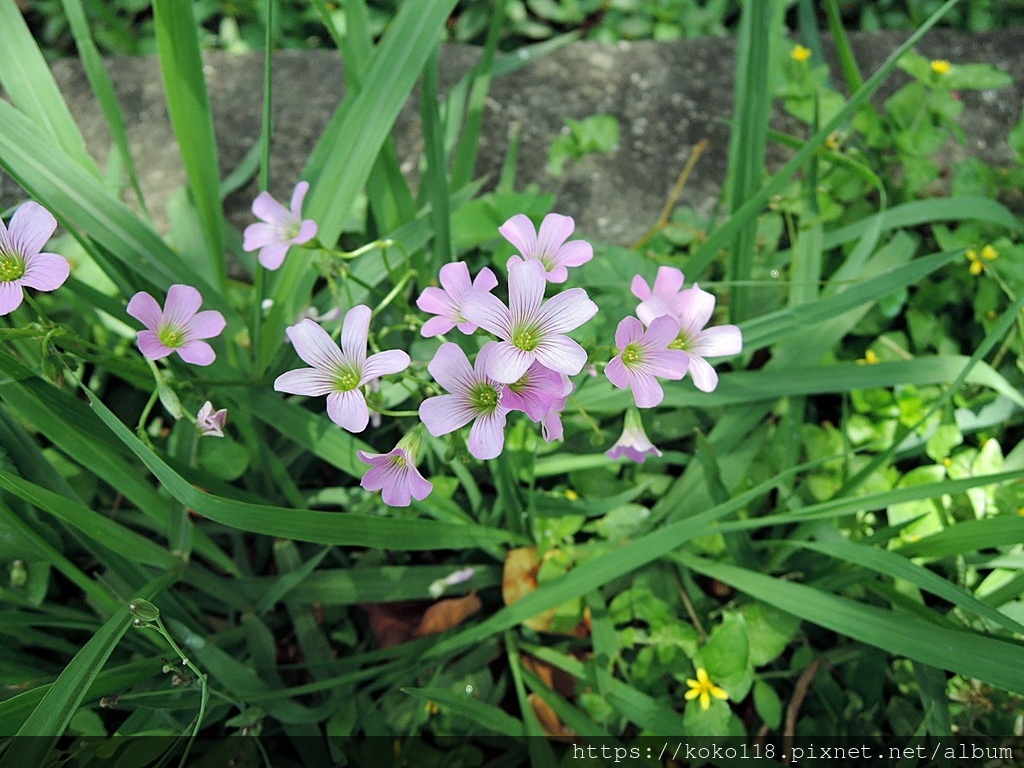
{"points": [[394, 623], [520, 579], [550, 722], [558, 680], [445, 614]]}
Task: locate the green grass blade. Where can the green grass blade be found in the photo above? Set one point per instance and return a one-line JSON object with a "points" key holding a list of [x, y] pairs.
{"points": [[342, 161], [996, 662], [435, 179], [753, 206], [759, 28], [189, 108], [30, 86], [103, 89], [968, 536], [53, 713], [302, 525], [847, 61], [488, 716]]}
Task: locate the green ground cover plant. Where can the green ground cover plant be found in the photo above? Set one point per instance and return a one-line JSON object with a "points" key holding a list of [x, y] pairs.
{"points": [[438, 473]]}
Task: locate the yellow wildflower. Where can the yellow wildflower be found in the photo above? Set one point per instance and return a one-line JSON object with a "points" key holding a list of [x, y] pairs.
{"points": [[704, 688], [800, 53], [988, 253], [940, 66], [571, 495], [870, 358]]}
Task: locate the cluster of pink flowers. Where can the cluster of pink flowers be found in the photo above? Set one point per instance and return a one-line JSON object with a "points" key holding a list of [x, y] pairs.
{"points": [[525, 367]]}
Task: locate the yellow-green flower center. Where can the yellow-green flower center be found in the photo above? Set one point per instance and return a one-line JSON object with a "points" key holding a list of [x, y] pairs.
{"points": [[526, 339], [484, 398], [170, 336], [682, 342], [12, 267], [520, 386], [632, 354], [345, 380]]}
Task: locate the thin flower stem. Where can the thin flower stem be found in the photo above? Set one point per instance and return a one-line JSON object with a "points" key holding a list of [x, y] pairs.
{"points": [[586, 416], [396, 290], [140, 428], [396, 414], [44, 320], [259, 290], [158, 625]]}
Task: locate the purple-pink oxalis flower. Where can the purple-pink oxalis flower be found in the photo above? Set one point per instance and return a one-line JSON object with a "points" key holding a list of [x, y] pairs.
{"points": [[633, 443], [394, 474], [548, 246], [210, 423], [474, 396], [666, 298], [446, 301], [535, 392], [643, 355], [531, 329], [23, 264], [279, 229], [177, 327], [339, 373]]}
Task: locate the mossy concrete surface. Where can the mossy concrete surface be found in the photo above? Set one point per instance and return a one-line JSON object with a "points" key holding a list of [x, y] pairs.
{"points": [[667, 97]]}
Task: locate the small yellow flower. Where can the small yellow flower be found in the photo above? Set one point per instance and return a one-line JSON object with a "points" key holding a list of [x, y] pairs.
{"points": [[571, 495], [431, 708], [947, 462], [800, 53], [940, 66], [833, 142], [1020, 511], [988, 253], [704, 688], [870, 358]]}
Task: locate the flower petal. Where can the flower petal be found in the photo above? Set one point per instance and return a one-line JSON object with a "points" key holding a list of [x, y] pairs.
{"points": [[145, 309], [694, 309], [183, 301], [419, 486], [561, 354], [205, 325], [436, 326], [11, 296], [704, 376], [630, 330], [298, 196], [45, 271], [267, 208], [651, 309], [196, 353], [305, 381], [354, 332], [639, 288], [315, 346], [487, 311], [520, 232], [667, 363], [455, 279], [258, 235], [668, 282], [554, 230], [348, 410], [566, 311], [616, 372], [647, 392], [508, 363], [487, 435], [451, 369], [575, 253], [151, 346], [526, 283], [720, 341], [661, 332], [307, 231], [384, 363], [30, 228], [485, 280], [271, 256], [436, 302], [445, 413]]}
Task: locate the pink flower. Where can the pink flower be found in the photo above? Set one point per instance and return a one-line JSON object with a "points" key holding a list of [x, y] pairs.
{"points": [[644, 355], [548, 246], [474, 397], [535, 392], [666, 297], [210, 423], [531, 330], [394, 474], [280, 228], [339, 373], [447, 303], [634, 443], [178, 327], [696, 308], [22, 262], [551, 423]]}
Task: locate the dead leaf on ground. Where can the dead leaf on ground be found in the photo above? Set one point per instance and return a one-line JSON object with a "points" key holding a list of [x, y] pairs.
{"points": [[550, 722], [445, 614]]}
